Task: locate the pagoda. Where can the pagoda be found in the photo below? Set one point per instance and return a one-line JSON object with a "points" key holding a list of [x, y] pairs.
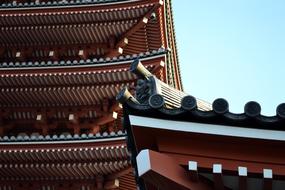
{"points": [[62, 62]]}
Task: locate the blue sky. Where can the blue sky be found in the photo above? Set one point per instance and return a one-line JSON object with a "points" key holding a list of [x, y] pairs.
{"points": [[232, 49]]}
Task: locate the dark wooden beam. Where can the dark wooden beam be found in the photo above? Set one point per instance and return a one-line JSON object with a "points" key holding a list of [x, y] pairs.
{"points": [[2, 51], [112, 184], [41, 122], [120, 173], [19, 55], [106, 119], [83, 54], [267, 179], [242, 178], [193, 170], [123, 41], [100, 182], [116, 107], [218, 177], [53, 54]]}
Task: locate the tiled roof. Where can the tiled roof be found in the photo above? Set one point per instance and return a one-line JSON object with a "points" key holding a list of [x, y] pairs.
{"points": [[155, 100], [57, 3], [62, 138], [76, 63], [162, 101], [251, 117], [87, 85], [76, 157]]}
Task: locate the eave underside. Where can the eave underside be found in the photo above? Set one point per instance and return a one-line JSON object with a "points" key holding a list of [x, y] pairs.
{"points": [[75, 164], [211, 163], [104, 31]]}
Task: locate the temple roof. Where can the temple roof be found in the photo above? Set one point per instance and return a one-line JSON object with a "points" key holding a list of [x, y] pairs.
{"points": [[86, 82], [98, 31], [59, 3], [86, 32], [182, 130], [251, 117], [63, 138], [78, 98], [63, 158], [168, 103], [82, 62]]}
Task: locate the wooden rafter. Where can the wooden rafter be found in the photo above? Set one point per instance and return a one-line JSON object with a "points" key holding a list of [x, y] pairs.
{"points": [[267, 179], [218, 178], [242, 173], [112, 184], [123, 41]]}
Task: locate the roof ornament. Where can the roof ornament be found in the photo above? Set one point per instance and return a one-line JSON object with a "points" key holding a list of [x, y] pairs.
{"points": [[145, 83], [138, 69], [125, 95], [155, 93]]}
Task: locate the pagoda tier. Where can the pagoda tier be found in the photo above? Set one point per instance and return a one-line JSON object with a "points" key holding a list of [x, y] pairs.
{"points": [[70, 162], [39, 31], [100, 30], [68, 97]]}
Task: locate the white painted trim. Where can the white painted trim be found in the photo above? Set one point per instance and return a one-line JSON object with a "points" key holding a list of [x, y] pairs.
{"points": [[242, 171], [143, 162], [217, 168], [106, 139], [267, 173], [192, 166], [211, 129]]}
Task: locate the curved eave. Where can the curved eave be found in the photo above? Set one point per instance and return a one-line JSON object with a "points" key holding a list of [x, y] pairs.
{"points": [[65, 86], [63, 139], [95, 63], [258, 121], [66, 4]]}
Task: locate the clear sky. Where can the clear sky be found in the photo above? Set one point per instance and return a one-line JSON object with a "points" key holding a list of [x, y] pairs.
{"points": [[233, 49]]}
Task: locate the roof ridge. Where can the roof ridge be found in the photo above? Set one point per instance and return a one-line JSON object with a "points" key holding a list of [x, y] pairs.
{"points": [[153, 98]]}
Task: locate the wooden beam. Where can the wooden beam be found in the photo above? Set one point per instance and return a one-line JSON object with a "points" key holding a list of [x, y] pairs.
{"points": [[2, 50], [19, 55], [106, 119], [120, 173], [242, 178], [73, 118], [193, 170], [116, 107], [41, 123], [95, 129], [218, 178], [123, 41], [165, 173], [267, 179], [112, 184], [105, 105], [82, 53], [53, 54], [100, 182], [115, 52]]}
